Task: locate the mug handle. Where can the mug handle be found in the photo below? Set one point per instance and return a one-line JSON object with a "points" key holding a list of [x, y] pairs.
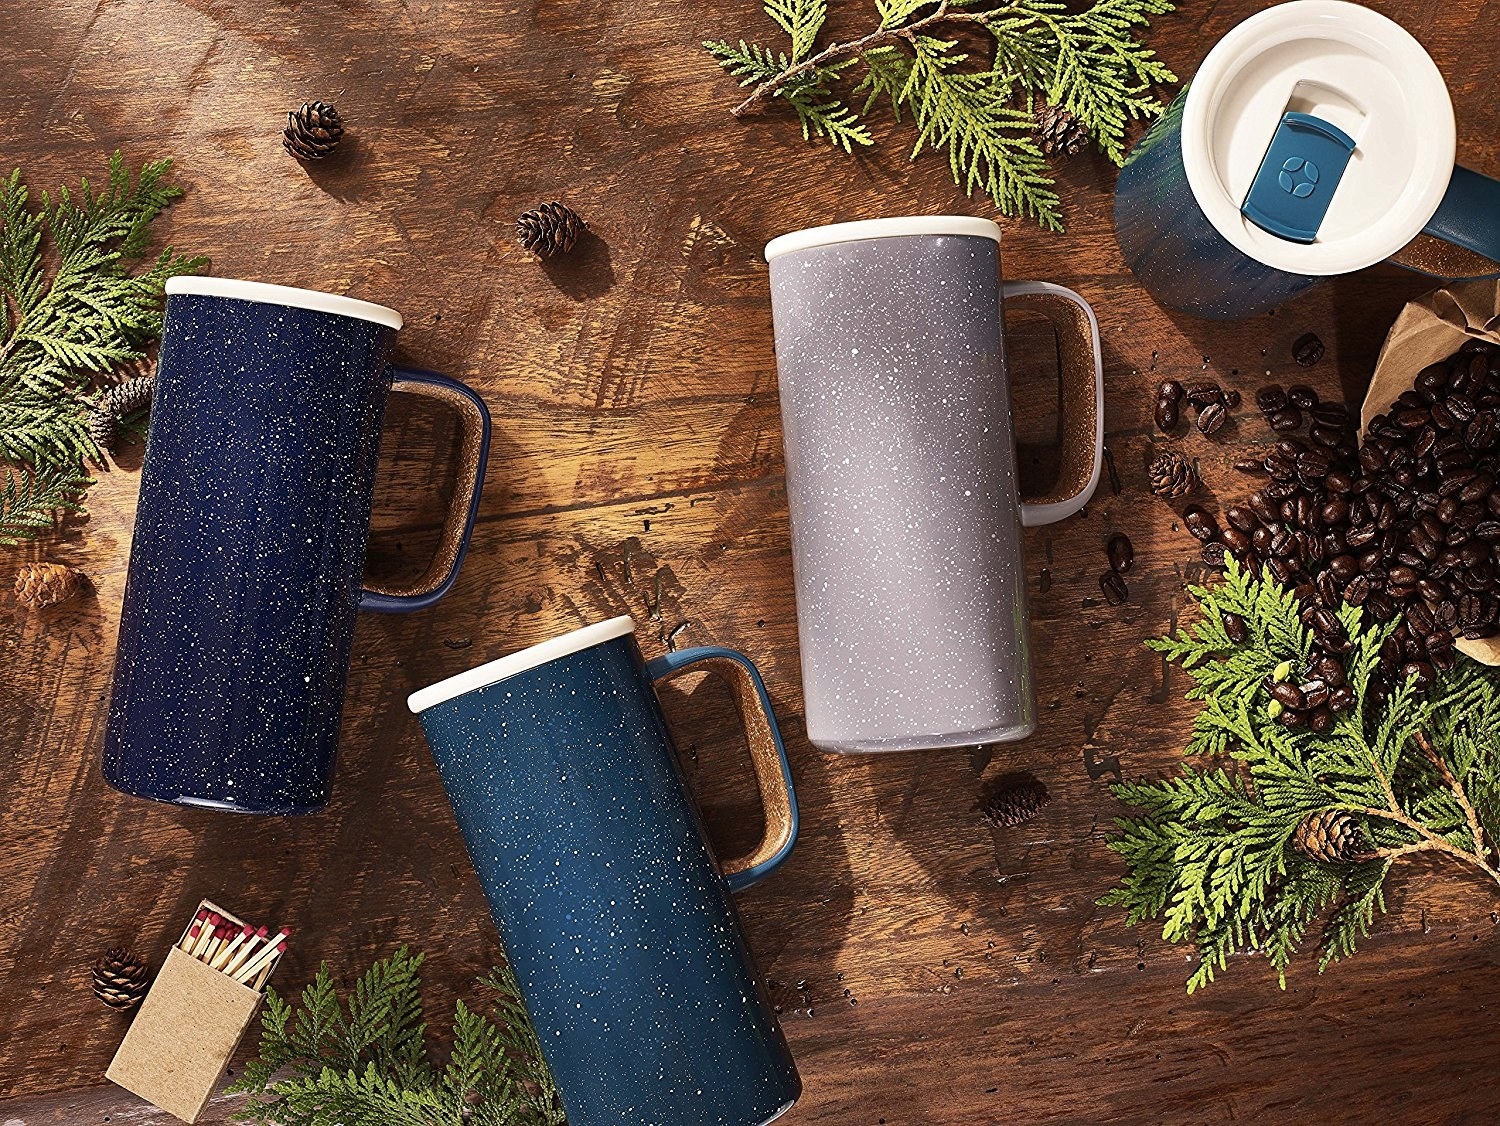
{"points": [[459, 525], [773, 773], [1082, 393], [1467, 223]]}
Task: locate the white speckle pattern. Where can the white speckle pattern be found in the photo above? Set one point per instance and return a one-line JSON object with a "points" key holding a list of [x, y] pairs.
{"points": [[906, 538], [621, 932], [248, 551]]}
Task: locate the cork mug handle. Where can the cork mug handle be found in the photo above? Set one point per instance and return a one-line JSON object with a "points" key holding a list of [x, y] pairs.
{"points": [[474, 421], [773, 774], [1082, 366]]}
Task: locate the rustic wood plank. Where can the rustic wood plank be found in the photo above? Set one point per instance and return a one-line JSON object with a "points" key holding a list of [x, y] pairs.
{"points": [[929, 969]]}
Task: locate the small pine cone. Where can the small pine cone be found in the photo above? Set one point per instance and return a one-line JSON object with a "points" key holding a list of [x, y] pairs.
{"points": [[1058, 132], [40, 585], [1330, 836], [313, 131], [1013, 798], [120, 400], [1172, 475], [120, 978], [550, 229]]}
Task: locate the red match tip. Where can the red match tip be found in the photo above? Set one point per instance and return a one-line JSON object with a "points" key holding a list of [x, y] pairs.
{"points": [[202, 913], [262, 932], [286, 932], [246, 931]]}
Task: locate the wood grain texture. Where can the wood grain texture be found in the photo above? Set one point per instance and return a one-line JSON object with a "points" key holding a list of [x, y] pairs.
{"points": [[929, 969]]}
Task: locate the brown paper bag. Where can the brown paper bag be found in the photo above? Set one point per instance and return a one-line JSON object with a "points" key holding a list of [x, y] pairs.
{"points": [[1429, 329]]}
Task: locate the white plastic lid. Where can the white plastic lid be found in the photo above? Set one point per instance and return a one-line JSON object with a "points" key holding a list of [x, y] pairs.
{"points": [[1351, 67], [882, 228], [506, 667], [268, 294]]}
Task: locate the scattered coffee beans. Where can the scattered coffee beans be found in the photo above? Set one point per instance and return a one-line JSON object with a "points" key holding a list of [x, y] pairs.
{"points": [[1121, 553]]}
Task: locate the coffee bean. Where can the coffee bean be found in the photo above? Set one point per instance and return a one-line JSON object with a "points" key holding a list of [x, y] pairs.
{"points": [[1307, 349], [1328, 588], [1264, 507], [1115, 591], [1320, 720], [1121, 553], [1212, 418], [1251, 465], [1357, 590], [1420, 673], [1270, 398], [1165, 415], [1204, 393], [1442, 417], [1480, 431], [1200, 524], [1170, 389], [1334, 415], [1288, 695], [1235, 628], [1478, 488], [1302, 396], [1231, 398], [1340, 700], [1260, 540], [1214, 554], [1329, 670], [1290, 718], [1285, 419], [1236, 540], [1325, 436], [1241, 517]]}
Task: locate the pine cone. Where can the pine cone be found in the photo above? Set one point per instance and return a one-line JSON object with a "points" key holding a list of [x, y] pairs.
{"points": [[120, 400], [46, 584], [1171, 475], [1013, 798], [313, 131], [1332, 837], [120, 978], [550, 229], [1058, 132]]}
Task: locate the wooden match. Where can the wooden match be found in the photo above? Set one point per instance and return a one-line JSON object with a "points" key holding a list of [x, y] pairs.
{"points": [[186, 945], [206, 935], [221, 959], [262, 960], [233, 965]]}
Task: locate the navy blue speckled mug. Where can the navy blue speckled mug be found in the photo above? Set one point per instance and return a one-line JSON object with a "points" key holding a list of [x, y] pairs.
{"points": [[615, 918], [249, 543]]}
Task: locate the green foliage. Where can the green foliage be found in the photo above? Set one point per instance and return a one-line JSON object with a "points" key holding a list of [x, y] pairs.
{"points": [[322, 1064], [32, 498], [1209, 852], [981, 111], [67, 340]]}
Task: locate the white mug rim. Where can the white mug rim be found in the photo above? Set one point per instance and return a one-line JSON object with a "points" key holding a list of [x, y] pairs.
{"points": [[265, 293], [891, 227], [503, 668]]}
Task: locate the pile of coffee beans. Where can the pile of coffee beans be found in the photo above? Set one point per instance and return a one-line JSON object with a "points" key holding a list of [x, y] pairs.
{"points": [[1406, 524], [1211, 403]]}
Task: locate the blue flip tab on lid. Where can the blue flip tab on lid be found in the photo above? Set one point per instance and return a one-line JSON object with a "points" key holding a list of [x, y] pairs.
{"points": [[1298, 176]]}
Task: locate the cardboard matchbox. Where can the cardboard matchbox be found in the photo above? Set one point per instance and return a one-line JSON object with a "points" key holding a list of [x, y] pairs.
{"points": [[185, 1033]]}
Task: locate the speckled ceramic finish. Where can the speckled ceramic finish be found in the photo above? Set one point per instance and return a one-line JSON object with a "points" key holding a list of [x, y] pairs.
{"points": [[900, 461], [620, 928], [249, 544]]}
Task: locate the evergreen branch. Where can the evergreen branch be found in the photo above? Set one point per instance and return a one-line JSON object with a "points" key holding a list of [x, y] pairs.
{"points": [[1221, 856], [31, 500], [1089, 64], [67, 339], [371, 1066]]}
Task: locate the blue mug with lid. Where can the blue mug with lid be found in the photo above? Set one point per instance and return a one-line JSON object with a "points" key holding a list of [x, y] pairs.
{"points": [[245, 569], [1316, 139], [616, 919]]}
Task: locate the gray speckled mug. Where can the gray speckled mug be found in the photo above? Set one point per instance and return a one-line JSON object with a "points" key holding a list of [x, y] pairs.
{"points": [[901, 479]]}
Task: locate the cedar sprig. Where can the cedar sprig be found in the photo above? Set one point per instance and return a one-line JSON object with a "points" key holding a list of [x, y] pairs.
{"points": [[918, 60], [321, 1061], [66, 340], [1209, 852]]}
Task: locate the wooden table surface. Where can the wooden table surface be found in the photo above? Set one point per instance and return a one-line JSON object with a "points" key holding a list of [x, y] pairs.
{"points": [[929, 969]]}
